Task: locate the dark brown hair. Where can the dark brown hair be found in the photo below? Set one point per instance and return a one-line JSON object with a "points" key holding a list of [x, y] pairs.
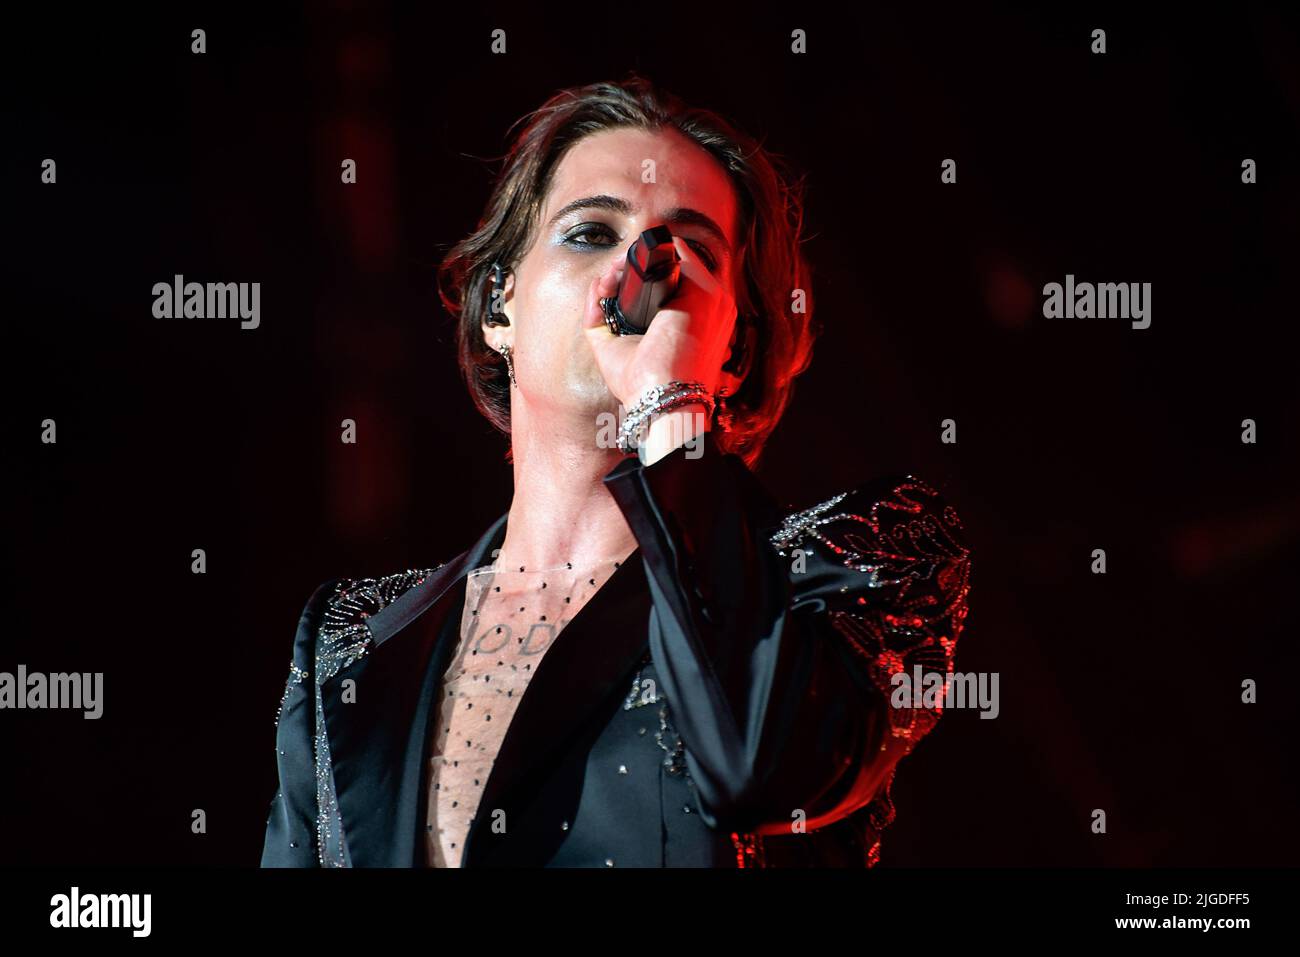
{"points": [[770, 220]]}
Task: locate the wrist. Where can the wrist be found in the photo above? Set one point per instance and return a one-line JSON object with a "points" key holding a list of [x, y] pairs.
{"points": [[671, 430]]}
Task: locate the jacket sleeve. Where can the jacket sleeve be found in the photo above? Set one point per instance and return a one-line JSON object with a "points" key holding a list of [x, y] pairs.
{"points": [[291, 837], [776, 639]]}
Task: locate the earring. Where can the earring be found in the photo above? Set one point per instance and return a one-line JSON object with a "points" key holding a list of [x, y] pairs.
{"points": [[725, 417], [737, 363], [494, 316], [510, 366]]}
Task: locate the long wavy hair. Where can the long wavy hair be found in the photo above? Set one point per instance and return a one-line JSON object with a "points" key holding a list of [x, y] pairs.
{"points": [[776, 286]]}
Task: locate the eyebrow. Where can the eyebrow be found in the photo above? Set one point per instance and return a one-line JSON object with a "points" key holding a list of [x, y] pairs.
{"points": [[680, 216]]}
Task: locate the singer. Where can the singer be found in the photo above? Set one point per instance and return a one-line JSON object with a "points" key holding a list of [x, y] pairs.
{"points": [[646, 661]]}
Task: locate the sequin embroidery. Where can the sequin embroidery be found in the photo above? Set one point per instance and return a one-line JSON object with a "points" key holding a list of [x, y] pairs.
{"points": [[910, 549], [645, 692], [909, 545], [296, 676], [343, 638]]}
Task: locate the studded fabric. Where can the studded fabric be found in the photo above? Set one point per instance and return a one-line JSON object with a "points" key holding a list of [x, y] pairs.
{"points": [[645, 693], [511, 617]]}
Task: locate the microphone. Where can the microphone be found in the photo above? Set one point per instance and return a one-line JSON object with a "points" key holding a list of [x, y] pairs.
{"points": [[650, 280]]}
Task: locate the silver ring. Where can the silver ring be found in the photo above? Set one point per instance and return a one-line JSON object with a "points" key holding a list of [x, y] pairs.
{"points": [[610, 320]]}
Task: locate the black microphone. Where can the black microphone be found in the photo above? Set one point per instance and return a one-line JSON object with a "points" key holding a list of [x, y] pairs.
{"points": [[650, 280]]}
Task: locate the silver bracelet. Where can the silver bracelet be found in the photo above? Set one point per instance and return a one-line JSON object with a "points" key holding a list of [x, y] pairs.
{"points": [[656, 400]]}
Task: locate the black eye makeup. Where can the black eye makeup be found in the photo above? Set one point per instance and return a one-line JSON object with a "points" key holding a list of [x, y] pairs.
{"points": [[586, 236]]}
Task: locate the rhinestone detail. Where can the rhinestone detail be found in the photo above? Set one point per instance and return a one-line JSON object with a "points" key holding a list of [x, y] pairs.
{"points": [[342, 639], [909, 544]]}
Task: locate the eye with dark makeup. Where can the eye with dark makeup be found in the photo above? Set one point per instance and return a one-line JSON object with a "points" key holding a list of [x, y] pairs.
{"points": [[597, 229]]}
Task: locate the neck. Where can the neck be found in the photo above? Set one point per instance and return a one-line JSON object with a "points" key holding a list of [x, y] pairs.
{"points": [[561, 510]]}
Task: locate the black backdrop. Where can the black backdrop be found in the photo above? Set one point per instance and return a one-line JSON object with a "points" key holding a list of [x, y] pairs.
{"points": [[1119, 691]]}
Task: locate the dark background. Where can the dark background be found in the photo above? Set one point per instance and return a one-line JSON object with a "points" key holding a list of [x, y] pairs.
{"points": [[1119, 692]]}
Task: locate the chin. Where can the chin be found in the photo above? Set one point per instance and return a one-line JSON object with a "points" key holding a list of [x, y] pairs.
{"points": [[587, 391]]}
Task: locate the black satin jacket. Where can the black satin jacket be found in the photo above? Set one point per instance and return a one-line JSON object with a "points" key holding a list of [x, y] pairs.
{"points": [[721, 701]]}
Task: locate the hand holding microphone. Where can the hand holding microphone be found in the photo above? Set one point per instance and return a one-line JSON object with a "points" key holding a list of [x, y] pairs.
{"points": [[660, 316], [649, 280]]}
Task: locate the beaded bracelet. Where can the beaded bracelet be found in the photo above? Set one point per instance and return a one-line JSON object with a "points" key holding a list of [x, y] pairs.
{"points": [[655, 401]]}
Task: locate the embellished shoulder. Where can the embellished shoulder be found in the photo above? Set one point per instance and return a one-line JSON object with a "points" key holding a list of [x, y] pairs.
{"points": [[889, 562], [854, 523], [344, 636]]}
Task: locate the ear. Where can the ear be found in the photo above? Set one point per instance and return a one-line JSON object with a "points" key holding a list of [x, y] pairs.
{"points": [[493, 334]]}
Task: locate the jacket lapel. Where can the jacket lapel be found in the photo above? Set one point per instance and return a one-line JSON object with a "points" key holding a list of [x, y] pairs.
{"points": [[585, 666], [377, 735]]}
